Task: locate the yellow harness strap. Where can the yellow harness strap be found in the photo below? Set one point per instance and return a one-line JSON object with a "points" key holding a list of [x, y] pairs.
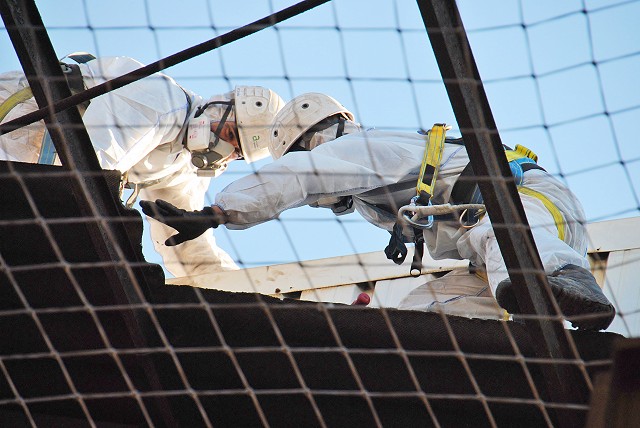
{"points": [[520, 152], [48, 155], [558, 218], [523, 152], [19, 97], [431, 162], [75, 81]]}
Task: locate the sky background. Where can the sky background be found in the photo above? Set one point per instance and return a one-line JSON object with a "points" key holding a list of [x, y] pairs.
{"points": [[561, 78]]}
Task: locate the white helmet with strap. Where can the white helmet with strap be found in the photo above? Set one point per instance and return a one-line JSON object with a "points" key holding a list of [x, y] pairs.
{"points": [[298, 116], [255, 110]]}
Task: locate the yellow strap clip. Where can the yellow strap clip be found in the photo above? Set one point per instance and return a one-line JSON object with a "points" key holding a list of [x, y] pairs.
{"points": [[521, 152], [431, 162]]}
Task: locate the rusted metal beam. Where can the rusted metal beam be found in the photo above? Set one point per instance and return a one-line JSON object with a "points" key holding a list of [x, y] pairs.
{"points": [[73, 145], [486, 153], [70, 137], [616, 399]]}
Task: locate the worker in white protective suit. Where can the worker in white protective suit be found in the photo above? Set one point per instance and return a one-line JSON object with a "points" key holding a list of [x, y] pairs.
{"points": [[330, 162], [167, 141]]}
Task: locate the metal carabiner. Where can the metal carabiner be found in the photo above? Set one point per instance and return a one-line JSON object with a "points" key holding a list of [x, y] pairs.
{"points": [[429, 211], [414, 220], [467, 226]]}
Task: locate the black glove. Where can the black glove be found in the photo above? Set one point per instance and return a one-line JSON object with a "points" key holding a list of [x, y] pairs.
{"points": [[189, 224]]}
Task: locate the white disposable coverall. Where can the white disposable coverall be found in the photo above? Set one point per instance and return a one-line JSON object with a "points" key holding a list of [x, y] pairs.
{"points": [[379, 169], [137, 129]]}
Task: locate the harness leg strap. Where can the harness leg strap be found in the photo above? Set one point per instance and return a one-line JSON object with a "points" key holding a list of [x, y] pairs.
{"points": [[396, 250]]}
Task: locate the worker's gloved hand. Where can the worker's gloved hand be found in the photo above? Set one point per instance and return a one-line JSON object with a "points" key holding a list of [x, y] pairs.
{"points": [[189, 224]]}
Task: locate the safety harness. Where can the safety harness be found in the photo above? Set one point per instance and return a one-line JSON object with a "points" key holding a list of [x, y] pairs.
{"points": [[465, 196], [72, 73], [397, 250], [48, 155]]}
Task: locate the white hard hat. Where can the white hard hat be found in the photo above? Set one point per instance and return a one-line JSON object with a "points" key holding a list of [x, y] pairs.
{"points": [[255, 109], [298, 116]]}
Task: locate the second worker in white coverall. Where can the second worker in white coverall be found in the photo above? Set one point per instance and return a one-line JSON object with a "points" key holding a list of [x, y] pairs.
{"points": [[324, 159], [166, 140]]}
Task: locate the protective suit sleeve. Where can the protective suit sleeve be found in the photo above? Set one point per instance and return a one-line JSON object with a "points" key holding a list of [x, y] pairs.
{"points": [[350, 165]]}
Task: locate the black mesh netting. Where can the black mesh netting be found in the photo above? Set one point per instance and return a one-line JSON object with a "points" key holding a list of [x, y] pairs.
{"points": [[74, 353]]}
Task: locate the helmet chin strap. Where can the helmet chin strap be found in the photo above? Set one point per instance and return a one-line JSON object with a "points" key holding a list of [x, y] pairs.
{"points": [[223, 120], [202, 108]]}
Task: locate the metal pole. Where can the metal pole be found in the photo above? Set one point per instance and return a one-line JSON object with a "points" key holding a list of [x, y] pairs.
{"points": [[70, 137], [486, 153], [71, 140], [171, 60]]}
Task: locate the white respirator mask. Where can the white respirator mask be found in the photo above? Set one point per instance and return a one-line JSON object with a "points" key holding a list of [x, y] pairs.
{"points": [[209, 153], [325, 135]]}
